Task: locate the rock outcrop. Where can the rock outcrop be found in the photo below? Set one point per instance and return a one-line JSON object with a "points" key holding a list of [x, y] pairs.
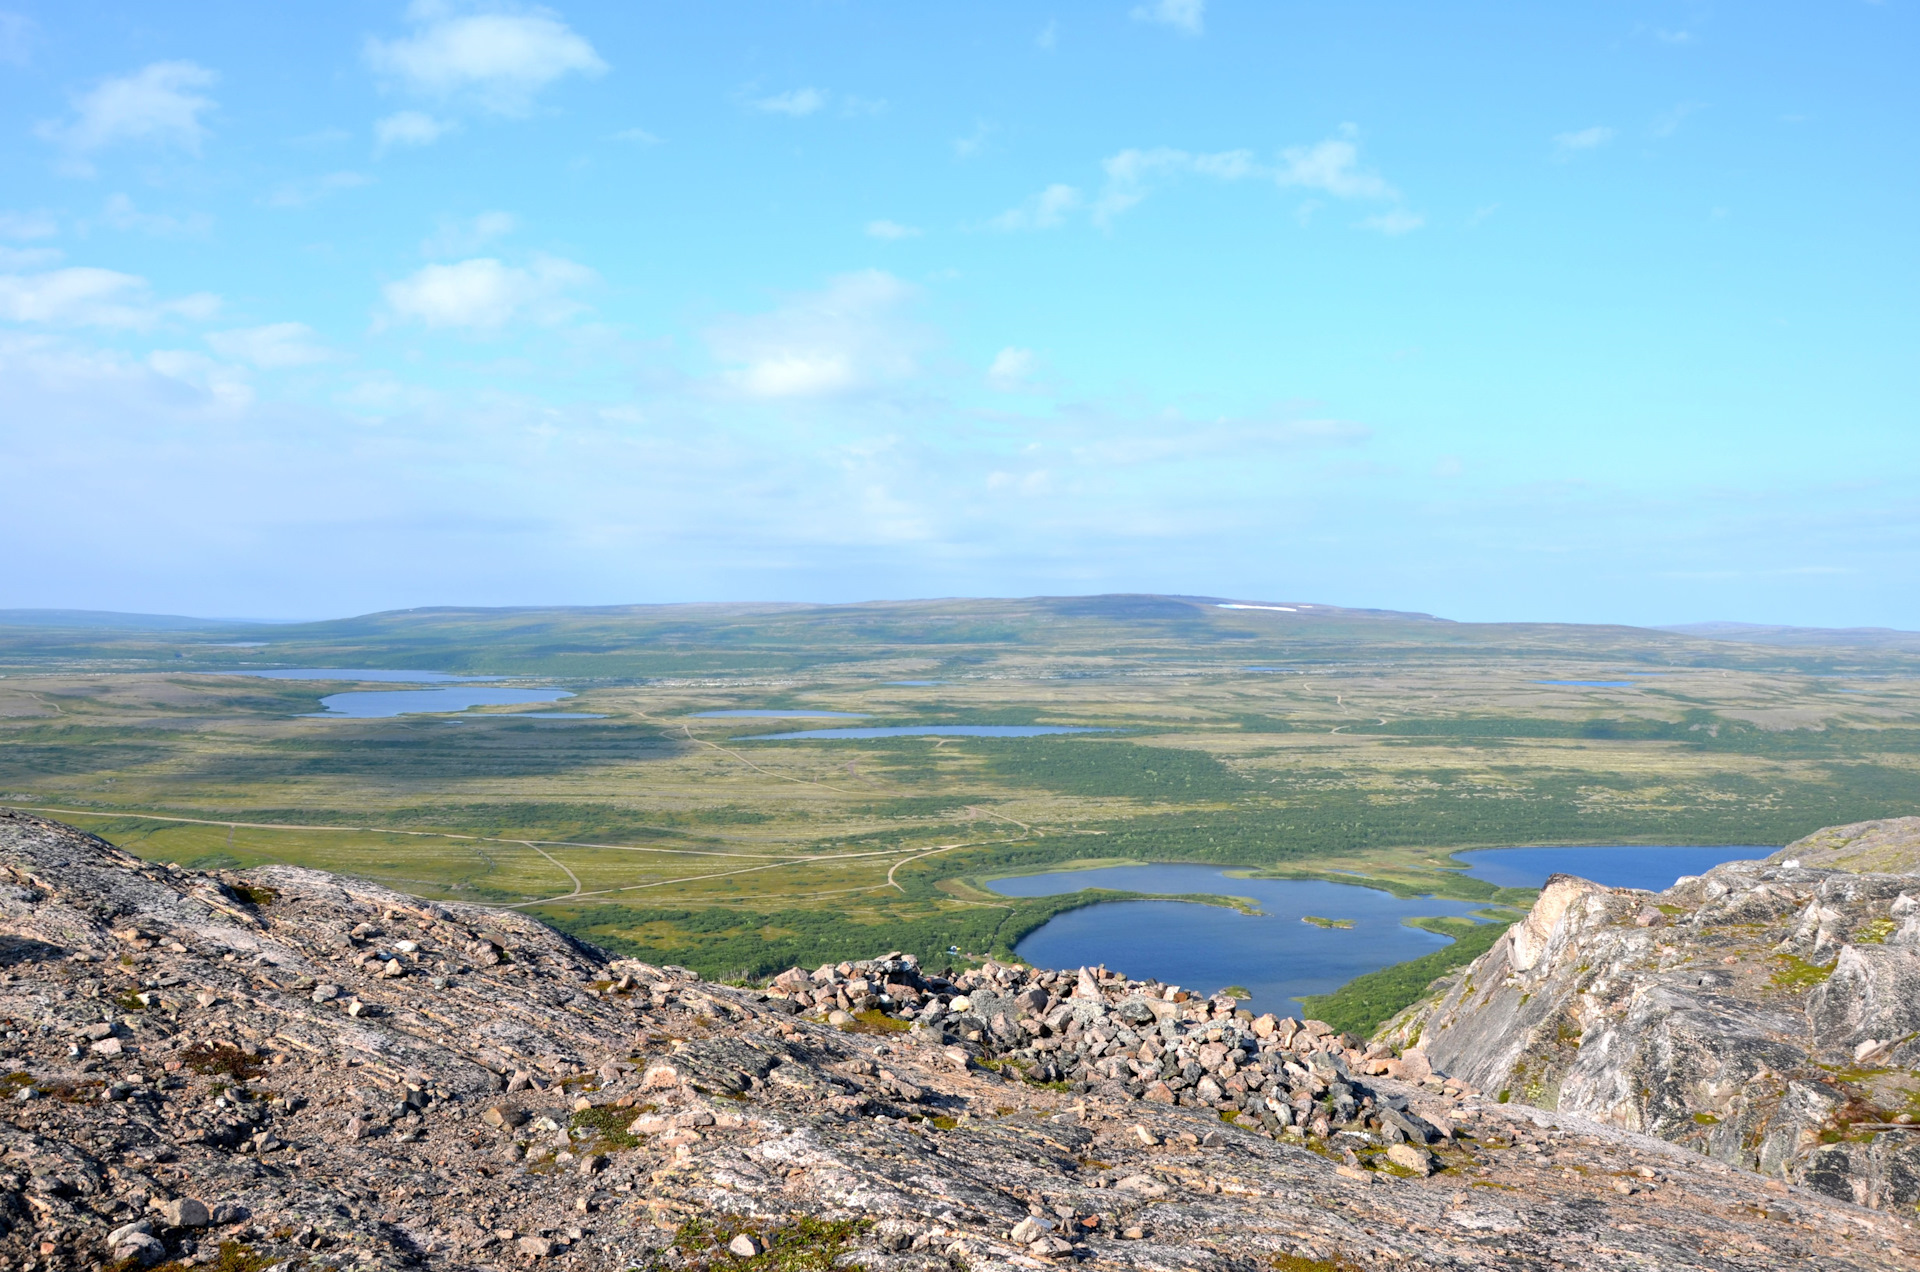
{"points": [[1766, 1014], [286, 1069]]}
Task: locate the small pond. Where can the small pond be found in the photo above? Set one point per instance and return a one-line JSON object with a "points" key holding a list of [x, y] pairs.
{"points": [[1626, 866], [930, 731], [1274, 954], [379, 704]]}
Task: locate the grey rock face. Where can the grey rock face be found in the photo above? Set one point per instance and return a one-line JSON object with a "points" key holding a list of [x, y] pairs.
{"points": [[1766, 1014], [518, 1099]]}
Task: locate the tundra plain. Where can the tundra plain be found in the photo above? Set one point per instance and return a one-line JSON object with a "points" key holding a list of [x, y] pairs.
{"points": [[1297, 739]]}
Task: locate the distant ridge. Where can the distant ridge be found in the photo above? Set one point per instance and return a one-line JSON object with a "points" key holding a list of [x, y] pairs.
{"points": [[1769, 634], [94, 620]]}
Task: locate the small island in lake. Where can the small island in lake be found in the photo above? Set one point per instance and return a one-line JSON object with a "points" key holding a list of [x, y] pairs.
{"points": [[1319, 922]]}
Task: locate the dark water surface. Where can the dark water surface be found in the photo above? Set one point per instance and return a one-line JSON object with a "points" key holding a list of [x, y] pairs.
{"points": [[1632, 866], [930, 730], [379, 704], [1207, 948]]}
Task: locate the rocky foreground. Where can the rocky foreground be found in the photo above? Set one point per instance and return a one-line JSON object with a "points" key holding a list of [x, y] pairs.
{"points": [[1766, 1013], [283, 1068]]}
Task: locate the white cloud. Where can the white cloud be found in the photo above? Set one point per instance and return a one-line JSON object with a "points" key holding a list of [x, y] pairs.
{"points": [[28, 225], [120, 213], [498, 60], [158, 103], [638, 136], [1567, 144], [1183, 15], [409, 128], [1011, 367], [483, 294], [310, 190], [1044, 211], [891, 230], [1333, 166], [1396, 221], [798, 102], [274, 346], [1049, 35], [82, 296], [461, 238], [847, 337]]}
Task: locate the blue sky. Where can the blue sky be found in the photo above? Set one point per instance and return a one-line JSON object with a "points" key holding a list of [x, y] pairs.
{"points": [[1595, 312]]}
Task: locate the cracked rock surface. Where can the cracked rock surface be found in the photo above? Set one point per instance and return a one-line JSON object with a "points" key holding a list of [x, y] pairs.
{"points": [[283, 1068], [1766, 1014]]}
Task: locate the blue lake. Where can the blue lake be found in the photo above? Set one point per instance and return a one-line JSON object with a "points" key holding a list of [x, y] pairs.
{"points": [[1590, 684], [1627, 866], [377, 704], [915, 684], [377, 675], [781, 715], [930, 730], [1207, 948], [1276, 955]]}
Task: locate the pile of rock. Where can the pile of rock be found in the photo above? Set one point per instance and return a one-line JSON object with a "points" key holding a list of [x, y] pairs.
{"points": [[1096, 1031], [224, 1071]]}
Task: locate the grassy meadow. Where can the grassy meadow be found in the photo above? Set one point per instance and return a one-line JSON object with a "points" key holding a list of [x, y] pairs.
{"points": [[1316, 742]]}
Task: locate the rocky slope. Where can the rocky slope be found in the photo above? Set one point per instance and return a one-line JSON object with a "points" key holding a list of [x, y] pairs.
{"points": [[1766, 1014], [284, 1068]]}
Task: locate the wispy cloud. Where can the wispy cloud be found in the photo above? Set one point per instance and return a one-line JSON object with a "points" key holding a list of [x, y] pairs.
{"points": [[28, 225], [1568, 144], [849, 337], [120, 213], [1186, 16], [1011, 368], [1132, 173], [1333, 166], [892, 231], [409, 128], [1049, 35], [17, 34], [638, 136], [1046, 210], [272, 347], [310, 190], [1668, 122], [160, 104], [971, 145], [484, 294], [797, 103], [1394, 222], [497, 60], [463, 237], [82, 296]]}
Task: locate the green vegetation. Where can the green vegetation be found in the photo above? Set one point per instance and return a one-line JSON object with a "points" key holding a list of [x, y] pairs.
{"points": [[1796, 973], [1390, 741], [606, 1128], [1365, 1002], [1319, 922], [799, 1244]]}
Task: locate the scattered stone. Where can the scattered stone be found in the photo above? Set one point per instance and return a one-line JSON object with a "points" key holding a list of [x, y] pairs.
{"points": [[185, 1212], [746, 1246]]}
